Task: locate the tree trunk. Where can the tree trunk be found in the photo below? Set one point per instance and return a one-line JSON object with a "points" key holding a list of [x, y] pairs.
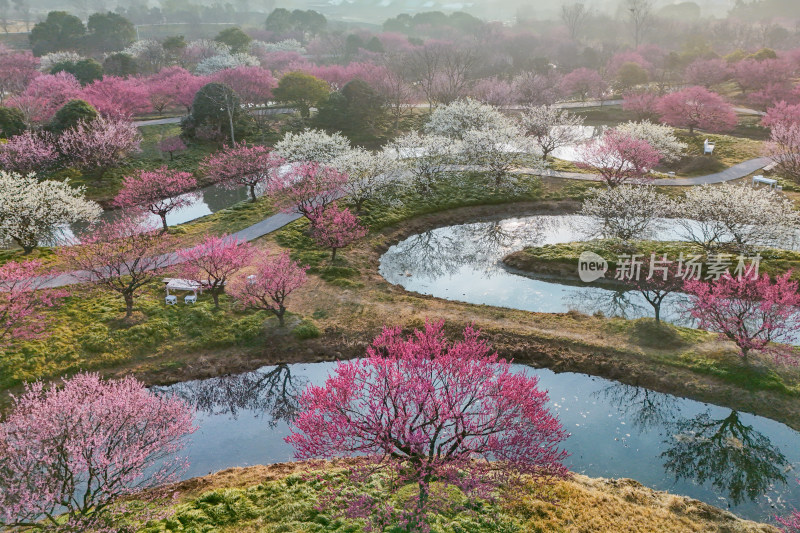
{"points": [[128, 304], [26, 247], [215, 297], [165, 227], [658, 313], [333, 255], [252, 193], [279, 313]]}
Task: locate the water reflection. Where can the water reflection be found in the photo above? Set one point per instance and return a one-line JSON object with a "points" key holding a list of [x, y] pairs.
{"points": [[732, 456], [646, 409], [271, 392]]}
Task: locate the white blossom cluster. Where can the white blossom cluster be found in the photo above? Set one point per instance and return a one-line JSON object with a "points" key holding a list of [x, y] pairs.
{"points": [[33, 211], [219, 62], [48, 61], [370, 174], [312, 145], [426, 157], [549, 128], [287, 45], [659, 136], [625, 212], [455, 119]]}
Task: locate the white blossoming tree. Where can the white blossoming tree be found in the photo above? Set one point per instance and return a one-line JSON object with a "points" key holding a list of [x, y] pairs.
{"points": [[312, 145], [659, 136], [219, 62], [550, 128], [496, 150], [286, 45], [48, 61], [737, 216], [33, 211], [453, 120], [426, 157], [625, 212], [369, 174]]}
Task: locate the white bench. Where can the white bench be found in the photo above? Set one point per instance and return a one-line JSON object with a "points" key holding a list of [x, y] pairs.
{"points": [[708, 147], [773, 184], [190, 299], [171, 299]]}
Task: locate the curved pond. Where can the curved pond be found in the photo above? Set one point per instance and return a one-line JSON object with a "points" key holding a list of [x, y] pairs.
{"points": [[729, 459]]}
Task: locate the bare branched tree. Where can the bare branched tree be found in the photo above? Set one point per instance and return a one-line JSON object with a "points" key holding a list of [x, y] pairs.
{"points": [[640, 14], [574, 16]]}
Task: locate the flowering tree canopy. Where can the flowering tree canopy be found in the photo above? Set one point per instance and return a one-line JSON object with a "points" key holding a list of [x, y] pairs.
{"points": [[369, 174], [70, 452], [272, 280], [707, 72], [99, 144], [496, 150], [244, 165], [626, 212], [641, 103], [123, 256], [309, 188], [454, 119], [252, 84], [659, 136], [158, 191], [171, 145], [551, 128], [697, 107], [117, 98], [33, 211], [784, 147], [751, 311], [45, 95], [430, 410], [618, 158], [212, 262], [28, 152], [335, 228], [583, 83], [312, 145], [22, 297], [426, 157]]}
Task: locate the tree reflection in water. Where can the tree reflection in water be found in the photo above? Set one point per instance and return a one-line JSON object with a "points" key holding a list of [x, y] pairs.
{"points": [[734, 457], [619, 303], [271, 391], [437, 253], [646, 409]]}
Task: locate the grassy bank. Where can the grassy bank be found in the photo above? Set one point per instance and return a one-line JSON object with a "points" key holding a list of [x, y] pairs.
{"points": [[285, 498]]}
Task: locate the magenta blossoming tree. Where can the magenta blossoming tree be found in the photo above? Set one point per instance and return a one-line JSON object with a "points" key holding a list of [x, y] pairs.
{"points": [[309, 188], [753, 313], [697, 107], [70, 452], [273, 279], [244, 165], [118, 98], [214, 261], [618, 158], [122, 256], [160, 191], [425, 409], [583, 83], [336, 228], [707, 72], [22, 298], [170, 145], [253, 85], [45, 95], [641, 103], [173, 86], [99, 144], [17, 69], [782, 113], [29, 152]]}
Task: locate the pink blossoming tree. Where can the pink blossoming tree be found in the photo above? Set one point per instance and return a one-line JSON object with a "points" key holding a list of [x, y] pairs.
{"points": [[214, 261], [697, 107], [173, 86], [336, 228], [45, 95], [583, 83], [273, 279], [22, 298], [253, 85], [309, 188], [171, 145], [99, 144], [244, 165], [17, 69], [118, 98], [425, 409], [753, 313], [160, 191], [618, 158], [29, 152], [784, 147], [791, 522], [707, 72], [70, 452], [641, 103], [781, 113], [122, 256]]}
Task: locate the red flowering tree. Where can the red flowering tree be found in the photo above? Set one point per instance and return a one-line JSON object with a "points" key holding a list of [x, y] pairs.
{"points": [[22, 297], [428, 410], [253, 85], [70, 452], [273, 279], [618, 158], [244, 165], [123, 256], [46, 94], [118, 98], [171, 145], [335, 228], [309, 188], [29, 152], [99, 144], [160, 191], [641, 103], [214, 261], [707, 72], [173, 86], [751, 312], [697, 107]]}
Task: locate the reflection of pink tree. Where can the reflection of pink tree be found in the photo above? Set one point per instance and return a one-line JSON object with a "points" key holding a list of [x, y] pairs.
{"points": [[160, 191], [309, 188], [750, 312], [697, 107], [791, 522], [122, 256], [70, 452], [244, 165], [274, 278], [336, 228], [618, 158], [424, 409], [212, 262], [22, 297]]}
